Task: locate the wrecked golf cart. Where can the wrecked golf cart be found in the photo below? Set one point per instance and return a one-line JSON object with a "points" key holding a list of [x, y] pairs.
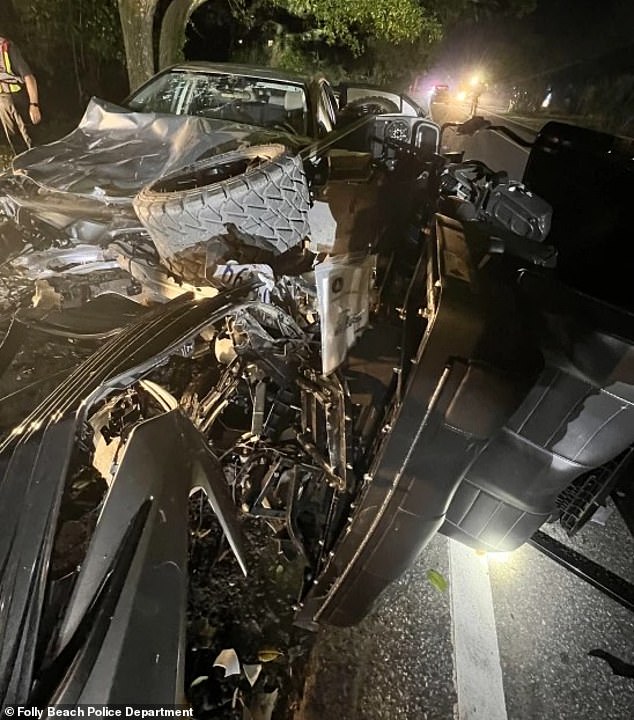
{"points": [[239, 262], [412, 358]]}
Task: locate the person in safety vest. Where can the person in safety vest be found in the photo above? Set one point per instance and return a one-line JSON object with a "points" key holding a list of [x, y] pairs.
{"points": [[16, 78]]}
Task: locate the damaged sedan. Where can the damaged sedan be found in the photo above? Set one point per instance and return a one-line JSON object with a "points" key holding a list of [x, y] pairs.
{"points": [[316, 317], [75, 195]]}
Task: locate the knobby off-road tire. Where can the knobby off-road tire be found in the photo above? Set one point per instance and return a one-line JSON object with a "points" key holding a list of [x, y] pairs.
{"points": [[261, 191]]}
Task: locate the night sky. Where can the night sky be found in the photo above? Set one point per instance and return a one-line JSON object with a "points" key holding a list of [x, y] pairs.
{"points": [[578, 37]]}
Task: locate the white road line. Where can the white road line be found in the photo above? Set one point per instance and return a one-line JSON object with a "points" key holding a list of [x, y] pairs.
{"points": [[524, 129], [477, 659]]}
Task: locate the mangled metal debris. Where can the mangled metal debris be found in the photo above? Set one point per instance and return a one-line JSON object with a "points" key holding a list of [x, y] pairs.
{"points": [[248, 366], [113, 152], [229, 662]]}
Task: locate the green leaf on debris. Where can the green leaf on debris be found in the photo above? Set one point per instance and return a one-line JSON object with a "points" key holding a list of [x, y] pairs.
{"points": [[268, 655], [438, 580]]}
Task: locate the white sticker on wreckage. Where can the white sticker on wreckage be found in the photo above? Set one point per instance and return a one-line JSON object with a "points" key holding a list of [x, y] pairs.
{"points": [[343, 292]]}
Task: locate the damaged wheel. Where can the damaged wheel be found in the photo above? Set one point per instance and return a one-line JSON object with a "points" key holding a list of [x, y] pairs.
{"points": [[260, 192]]}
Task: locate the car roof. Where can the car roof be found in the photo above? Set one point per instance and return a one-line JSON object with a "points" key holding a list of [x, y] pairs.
{"points": [[247, 70]]}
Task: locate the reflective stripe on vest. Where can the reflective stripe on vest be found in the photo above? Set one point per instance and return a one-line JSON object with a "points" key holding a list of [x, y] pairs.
{"points": [[5, 66]]}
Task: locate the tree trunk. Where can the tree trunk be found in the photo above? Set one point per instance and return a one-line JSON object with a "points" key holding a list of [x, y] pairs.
{"points": [[173, 27], [137, 23]]}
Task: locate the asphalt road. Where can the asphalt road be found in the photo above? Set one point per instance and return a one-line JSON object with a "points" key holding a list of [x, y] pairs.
{"points": [[549, 620], [508, 640]]}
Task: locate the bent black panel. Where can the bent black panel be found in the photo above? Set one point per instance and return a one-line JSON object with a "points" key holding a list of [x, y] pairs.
{"points": [[517, 389], [139, 658], [138, 348], [35, 459], [97, 319], [30, 497], [578, 415], [471, 371]]}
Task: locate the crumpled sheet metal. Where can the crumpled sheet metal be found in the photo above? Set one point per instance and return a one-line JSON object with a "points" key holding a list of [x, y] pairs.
{"points": [[113, 152], [212, 264], [60, 215], [76, 260]]}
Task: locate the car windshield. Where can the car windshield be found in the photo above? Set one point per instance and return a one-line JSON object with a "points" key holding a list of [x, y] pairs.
{"points": [[237, 98], [403, 106]]}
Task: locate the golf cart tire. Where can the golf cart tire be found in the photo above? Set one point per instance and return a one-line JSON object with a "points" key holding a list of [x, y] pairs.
{"points": [[261, 192]]}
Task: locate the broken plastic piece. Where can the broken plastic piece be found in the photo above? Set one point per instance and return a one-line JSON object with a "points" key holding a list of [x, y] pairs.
{"points": [[228, 660], [323, 227], [252, 673]]}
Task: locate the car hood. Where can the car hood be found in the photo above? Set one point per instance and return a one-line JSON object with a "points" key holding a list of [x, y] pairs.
{"points": [[113, 152]]}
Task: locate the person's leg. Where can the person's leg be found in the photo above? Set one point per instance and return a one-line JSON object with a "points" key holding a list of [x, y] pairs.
{"points": [[20, 111], [6, 120], [14, 127], [21, 105]]}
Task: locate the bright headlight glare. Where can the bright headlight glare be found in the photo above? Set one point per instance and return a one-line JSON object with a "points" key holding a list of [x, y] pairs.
{"points": [[497, 557]]}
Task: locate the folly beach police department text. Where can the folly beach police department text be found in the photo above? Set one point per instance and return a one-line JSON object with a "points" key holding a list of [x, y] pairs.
{"points": [[97, 711]]}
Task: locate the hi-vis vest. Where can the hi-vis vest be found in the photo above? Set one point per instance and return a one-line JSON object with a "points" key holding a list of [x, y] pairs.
{"points": [[5, 69]]}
